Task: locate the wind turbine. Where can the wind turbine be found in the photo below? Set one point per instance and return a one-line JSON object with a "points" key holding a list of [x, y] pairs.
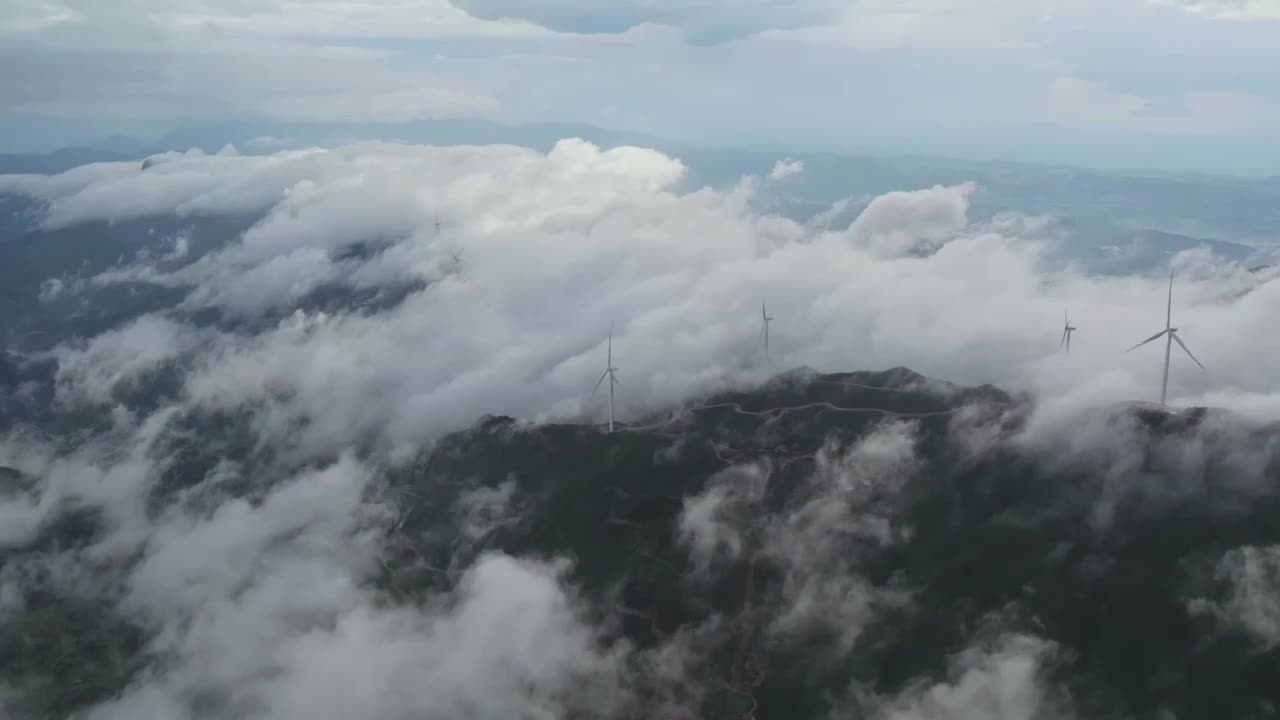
{"points": [[764, 330], [1170, 333], [609, 372], [1067, 329]]}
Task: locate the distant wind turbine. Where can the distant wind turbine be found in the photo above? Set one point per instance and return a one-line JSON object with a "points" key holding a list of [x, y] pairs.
{"points": [[609, 372], [1067, 329], [764, 330], [1170, 333]]}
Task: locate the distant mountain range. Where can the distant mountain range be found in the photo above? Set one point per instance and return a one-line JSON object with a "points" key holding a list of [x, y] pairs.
{"points": [[58, 161]]}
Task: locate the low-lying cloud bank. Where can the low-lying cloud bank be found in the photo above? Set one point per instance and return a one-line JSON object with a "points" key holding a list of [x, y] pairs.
{"points": [[505, 269], [535, 255]]}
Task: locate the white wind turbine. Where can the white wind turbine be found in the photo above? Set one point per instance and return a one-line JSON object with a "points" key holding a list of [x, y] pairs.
{"points": [[1067, 329], [609, 372], [764, 330], [1170, 333]]}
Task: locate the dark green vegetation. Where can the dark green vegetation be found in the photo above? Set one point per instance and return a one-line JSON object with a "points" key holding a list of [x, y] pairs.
{"points": [[856, 567], [1097, 552], [32, 256], [59, 651], [62, 654]]}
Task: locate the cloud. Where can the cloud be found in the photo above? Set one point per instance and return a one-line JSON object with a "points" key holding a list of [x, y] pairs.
{"points": [[264, 609], [1252, 575], [113, 360], [900, 222], [713, 523], [110, 473], [257, 60], [784, 169], [553, 247], [982, 74], [817, 542], [1002, 682], [1228, 9]]}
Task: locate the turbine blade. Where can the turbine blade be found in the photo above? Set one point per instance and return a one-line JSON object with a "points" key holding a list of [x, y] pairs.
{"points": [[597, 387], [613, 378], [1168, 318], [1188, 350], [1063, 341], [1157, 336]]}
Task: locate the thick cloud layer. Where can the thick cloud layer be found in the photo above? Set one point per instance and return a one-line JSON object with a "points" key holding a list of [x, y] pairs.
{"points": [[537, 254], [259, 597]]}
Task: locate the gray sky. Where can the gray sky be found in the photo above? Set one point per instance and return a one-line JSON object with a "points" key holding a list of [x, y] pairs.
{"points": [[971, 76]]}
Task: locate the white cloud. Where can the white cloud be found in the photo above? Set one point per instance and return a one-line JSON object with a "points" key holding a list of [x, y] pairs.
{"points": [[816, 542], [111, 472], [712, 524], [260, 60], [553, 247], [1253, 578], [971, 70], [900, 222], [113, 360], [999, 683], [263, 609], [1229, 9], [784, 169]]}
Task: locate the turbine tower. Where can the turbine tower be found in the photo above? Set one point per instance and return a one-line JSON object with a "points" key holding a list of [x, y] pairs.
{"points": [[1067, 329], [609, 372], [764, 330], [1170, 333]]}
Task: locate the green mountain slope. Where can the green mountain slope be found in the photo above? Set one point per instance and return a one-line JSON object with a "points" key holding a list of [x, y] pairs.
{"points": [[851, 545], [972, 535]]}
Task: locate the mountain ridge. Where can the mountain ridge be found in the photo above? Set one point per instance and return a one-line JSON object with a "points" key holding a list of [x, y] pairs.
{"points": [[819, 543], [903, 502]]}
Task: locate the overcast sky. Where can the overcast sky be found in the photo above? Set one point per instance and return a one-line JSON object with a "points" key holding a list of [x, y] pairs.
{"points": [[974, 75]]}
